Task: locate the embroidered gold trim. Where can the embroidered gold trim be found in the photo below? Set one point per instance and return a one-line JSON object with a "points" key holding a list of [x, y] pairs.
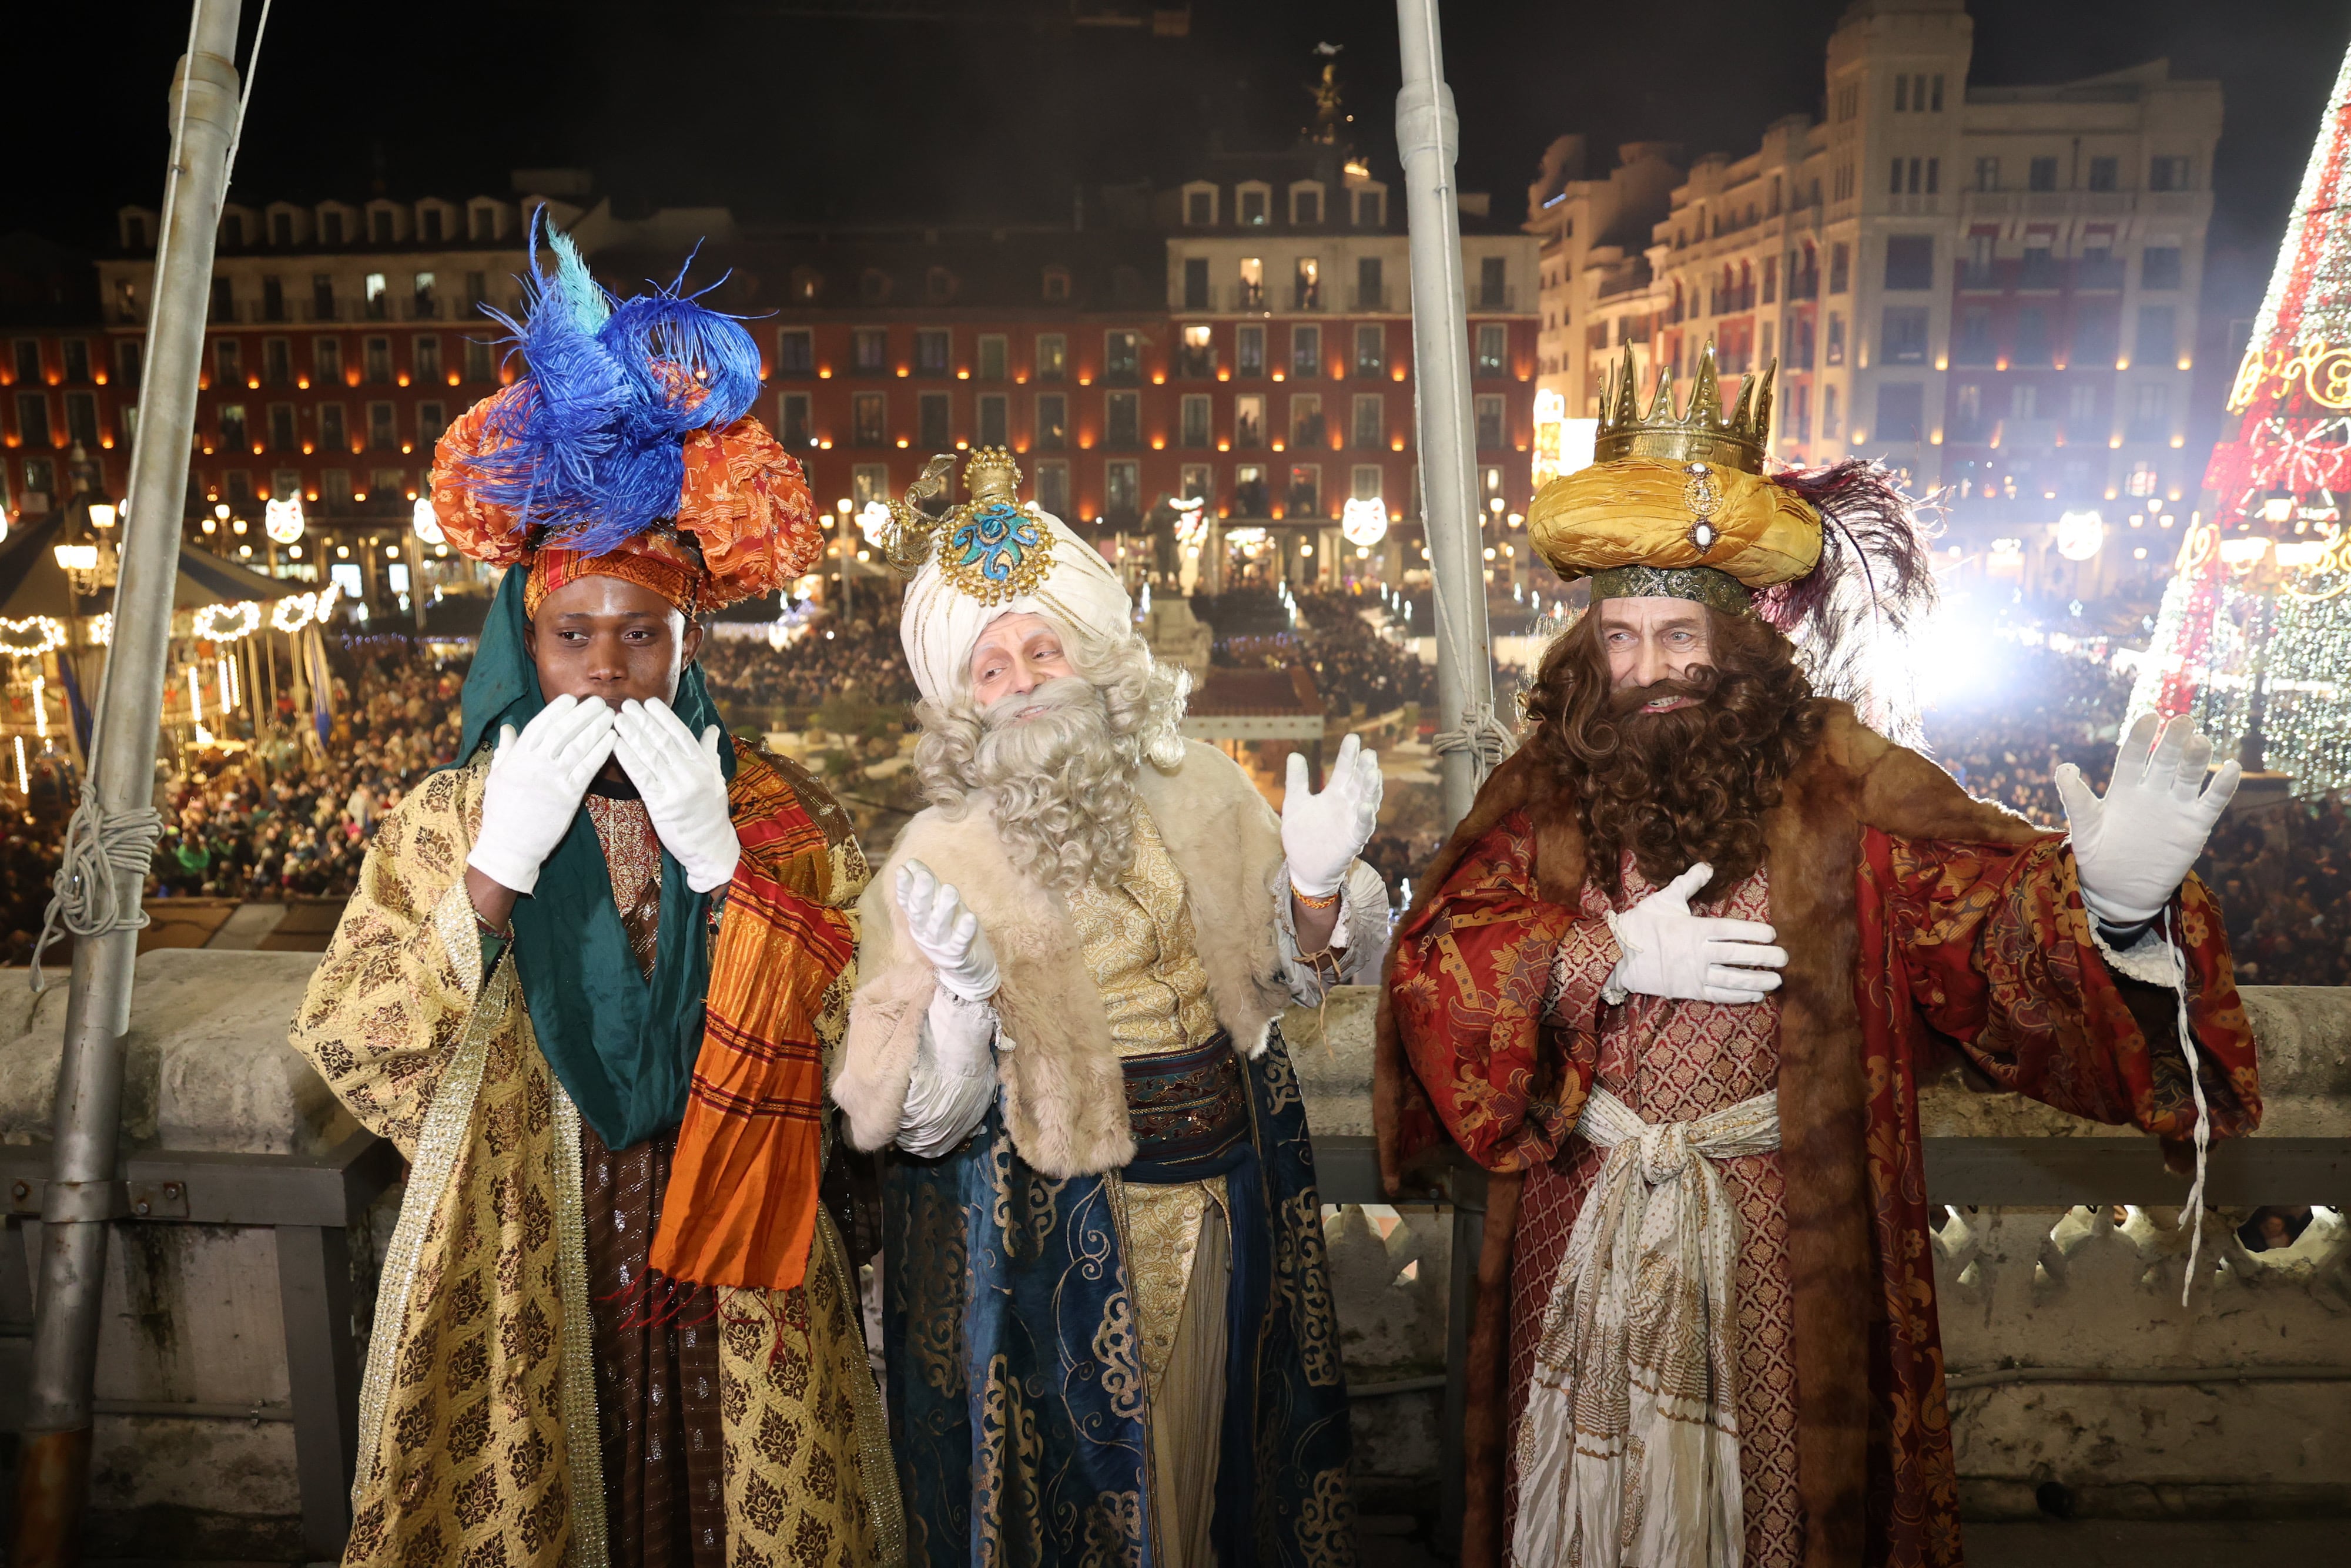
{"points": [[460, 932], [583, 1438], [876, 1465], [447, 1131]]}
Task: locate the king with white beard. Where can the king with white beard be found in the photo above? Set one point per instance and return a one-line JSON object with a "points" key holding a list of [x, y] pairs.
{"points": [[1107, 1317]]}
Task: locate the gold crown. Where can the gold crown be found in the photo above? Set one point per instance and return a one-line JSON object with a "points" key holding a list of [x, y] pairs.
{"points": [[988, 460], [1699, 434]]}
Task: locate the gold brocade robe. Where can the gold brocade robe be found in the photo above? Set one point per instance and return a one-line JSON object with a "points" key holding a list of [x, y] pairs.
{"points": [[478, 1437]]}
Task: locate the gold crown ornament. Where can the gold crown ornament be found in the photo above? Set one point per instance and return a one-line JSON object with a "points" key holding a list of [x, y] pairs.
{"points": [[1675, 503], [989, 547]]}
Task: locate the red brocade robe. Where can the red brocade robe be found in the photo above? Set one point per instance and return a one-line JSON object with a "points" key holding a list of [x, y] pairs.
{"points": [[1915, 917]]}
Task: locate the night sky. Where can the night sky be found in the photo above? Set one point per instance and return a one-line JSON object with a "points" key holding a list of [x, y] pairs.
{"points": [[1003, 110]]}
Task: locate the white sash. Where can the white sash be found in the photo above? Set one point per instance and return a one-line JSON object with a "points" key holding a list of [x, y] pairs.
{"points": [[1628, 1452]]}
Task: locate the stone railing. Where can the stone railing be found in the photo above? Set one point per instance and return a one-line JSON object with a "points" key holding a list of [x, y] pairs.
{"points": [[222, 1421]]}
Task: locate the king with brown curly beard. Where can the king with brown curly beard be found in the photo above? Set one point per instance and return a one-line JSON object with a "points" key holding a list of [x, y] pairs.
{"points": [[1670, 982]]}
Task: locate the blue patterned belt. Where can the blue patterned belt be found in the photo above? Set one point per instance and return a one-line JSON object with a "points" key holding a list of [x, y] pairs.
{"points": [[1189, 1110]]}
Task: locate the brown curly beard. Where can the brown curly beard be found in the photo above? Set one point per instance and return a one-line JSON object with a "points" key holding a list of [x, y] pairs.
{"points": [[1681, 787]]}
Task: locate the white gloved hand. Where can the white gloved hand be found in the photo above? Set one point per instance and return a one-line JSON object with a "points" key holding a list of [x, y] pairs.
{"points": [[1670, 952], [948, 934], [685, 789], [1322, 834], [2133, 848], [534, 788]]}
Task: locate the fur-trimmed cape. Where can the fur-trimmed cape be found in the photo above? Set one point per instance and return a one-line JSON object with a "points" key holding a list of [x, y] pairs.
{"points": [[1849, 1151], [1064, 1091]]}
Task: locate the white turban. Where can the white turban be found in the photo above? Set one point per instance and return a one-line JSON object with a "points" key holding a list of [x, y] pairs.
{"points": [[1002, 560]]}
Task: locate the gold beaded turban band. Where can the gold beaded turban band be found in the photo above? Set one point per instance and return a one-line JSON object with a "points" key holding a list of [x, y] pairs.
{"points": [[1675, 504]]}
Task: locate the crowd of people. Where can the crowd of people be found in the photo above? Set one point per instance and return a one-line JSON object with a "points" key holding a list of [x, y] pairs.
{"points": [[281, 819], [2281, 871], [856, 659]]}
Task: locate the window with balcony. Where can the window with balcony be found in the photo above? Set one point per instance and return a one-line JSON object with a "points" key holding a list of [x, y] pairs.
{"points": [[1371, 349], [1306, 285], [1905, 330], [868, 424], [994, 354], [1840, 268], [2098, 268], [1800, 342], [2041, 174], [2151, 413], [377, 354], [1972, 343], [1306, 206], [794, 427], [383, 427], [426, 353], [1249, 292], [377, 293], [995, 419], [1053, 487], [868, 352], [1305, 496], [224, 300], [1492, 351], [1371, 283], [273, 298], [228, 364], [277, 362], [1122, 356], [2041, 270], [1967, 412], [1248, 351], [2098, 336], [1833, 352], [1367, 431], [1371, 209], [1832, 416], [1492, 435], [932, 430], [1901, 416], [932, 353], [1771, 281], [1197, 481], [1306, 352], [2159, 266], [1122, 491], [2105, 173], [1052, 421], [1910, 262], [1796, 414], [1195, 351], [1987, 173], [1251, 496], [430, 422], [1255, 201], [1053, 356], [795, 351], [424, 301], [1191, 426], [1195, 284], [2157, 340], [2032, 348], [481, 360], [1122, 419], [1363, 481], [322, 297], [2167, 174], [82, 420], [1249, 420], [1493, 284], [1306, 420]]}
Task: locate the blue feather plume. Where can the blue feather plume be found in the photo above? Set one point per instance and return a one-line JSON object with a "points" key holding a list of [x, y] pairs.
{"points": [[595, 432]]}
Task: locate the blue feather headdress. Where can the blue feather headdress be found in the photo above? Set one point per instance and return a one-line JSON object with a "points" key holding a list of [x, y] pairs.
{"points": [[586, 451]]}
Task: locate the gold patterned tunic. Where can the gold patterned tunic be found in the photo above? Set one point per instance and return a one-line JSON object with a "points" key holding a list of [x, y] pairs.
{"points": [[479, 1444], [1137, 938]]}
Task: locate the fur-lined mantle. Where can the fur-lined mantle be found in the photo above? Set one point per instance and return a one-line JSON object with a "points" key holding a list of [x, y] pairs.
{"points": [[1064, 1092]]}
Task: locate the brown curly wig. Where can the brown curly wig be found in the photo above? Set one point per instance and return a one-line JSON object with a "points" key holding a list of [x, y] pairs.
{"points": [[1680, 787]]}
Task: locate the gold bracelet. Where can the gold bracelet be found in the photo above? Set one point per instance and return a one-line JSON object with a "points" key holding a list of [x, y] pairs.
{"points": [[1310, 901]]}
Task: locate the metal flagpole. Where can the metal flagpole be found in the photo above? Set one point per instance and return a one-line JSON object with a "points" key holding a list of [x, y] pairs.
{"points": [[1469, 741], [112, 836]]}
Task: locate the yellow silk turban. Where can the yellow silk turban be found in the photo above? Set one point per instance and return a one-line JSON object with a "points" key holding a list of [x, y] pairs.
{"points": [[1690, 531]]}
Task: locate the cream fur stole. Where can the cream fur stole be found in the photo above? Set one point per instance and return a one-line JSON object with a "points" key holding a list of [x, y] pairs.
{"points": [[1064, 1092]]}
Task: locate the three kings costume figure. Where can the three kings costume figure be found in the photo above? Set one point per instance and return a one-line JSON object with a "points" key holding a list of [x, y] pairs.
{"points": [[1106, 1310], [1674, 981], [586, 984]]}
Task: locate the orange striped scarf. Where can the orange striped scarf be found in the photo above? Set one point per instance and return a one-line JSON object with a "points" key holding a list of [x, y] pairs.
{"points": [[742, 1198]]}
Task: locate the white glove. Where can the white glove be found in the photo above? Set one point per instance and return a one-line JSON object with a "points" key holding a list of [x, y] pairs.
{"points": [[948, 934], [684, 788], [2133, 848], [1670, 952], [534, 788], [1322, 834]]}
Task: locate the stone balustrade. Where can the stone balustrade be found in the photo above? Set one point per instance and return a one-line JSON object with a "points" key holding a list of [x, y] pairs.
{"points": [[2072, 1363]]}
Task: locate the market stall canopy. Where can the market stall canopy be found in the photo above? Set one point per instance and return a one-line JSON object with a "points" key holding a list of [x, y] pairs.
{"points": [[33, 583]]}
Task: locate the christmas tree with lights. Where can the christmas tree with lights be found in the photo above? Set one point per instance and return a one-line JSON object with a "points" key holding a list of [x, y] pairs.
{"points": [[2254, 636]]}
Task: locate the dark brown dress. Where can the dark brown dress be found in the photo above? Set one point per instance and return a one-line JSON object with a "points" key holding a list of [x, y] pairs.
{"points": [[656, 1348]]}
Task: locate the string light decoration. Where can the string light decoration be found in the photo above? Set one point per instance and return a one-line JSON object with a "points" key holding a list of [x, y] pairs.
{"points": [[228, 623], [32, 636], [297, 610], [2253, 639]]}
